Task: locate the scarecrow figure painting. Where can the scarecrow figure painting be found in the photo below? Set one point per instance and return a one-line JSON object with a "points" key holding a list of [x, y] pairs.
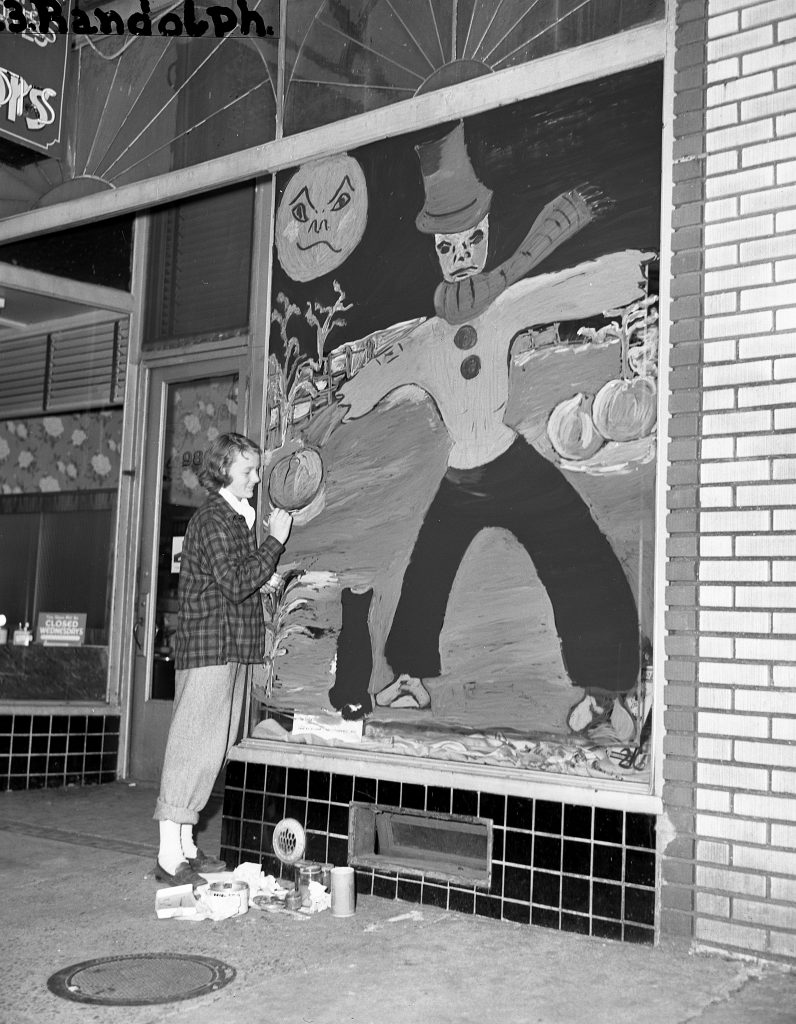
{"points": [[494, 478]]}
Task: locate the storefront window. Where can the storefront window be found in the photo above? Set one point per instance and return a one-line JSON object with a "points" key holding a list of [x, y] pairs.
{"points": [[346, 58], [462, 411], [95, 253], [143, 107], [57, 558], [148, 106], [199, 266], [57, 514]]}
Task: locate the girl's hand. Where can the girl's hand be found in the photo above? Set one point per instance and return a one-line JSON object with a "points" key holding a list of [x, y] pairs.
{"points": [[279, 524]]}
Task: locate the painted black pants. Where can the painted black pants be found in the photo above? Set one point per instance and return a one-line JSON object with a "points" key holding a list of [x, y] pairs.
{"points": [[523, 492]]}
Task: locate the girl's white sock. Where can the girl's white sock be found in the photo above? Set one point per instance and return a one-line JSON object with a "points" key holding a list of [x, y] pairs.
{"points": [[170, 852], [186, 841]]}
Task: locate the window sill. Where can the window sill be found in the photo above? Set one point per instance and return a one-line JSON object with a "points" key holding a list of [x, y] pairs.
{"points": [[615, 794]]}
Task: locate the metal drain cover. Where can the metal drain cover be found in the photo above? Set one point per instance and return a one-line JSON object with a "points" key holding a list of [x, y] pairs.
{"points": [[140, 979]]}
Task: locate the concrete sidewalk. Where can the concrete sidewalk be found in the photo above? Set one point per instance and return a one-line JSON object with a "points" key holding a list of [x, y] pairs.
{"points": [[76, 867]]}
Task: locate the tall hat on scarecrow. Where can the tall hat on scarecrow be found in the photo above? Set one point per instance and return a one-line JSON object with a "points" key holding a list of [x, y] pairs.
{"points": [[455, 199]]}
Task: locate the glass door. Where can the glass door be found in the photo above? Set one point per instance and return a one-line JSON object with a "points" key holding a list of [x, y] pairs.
{"points": [[185, 412]]}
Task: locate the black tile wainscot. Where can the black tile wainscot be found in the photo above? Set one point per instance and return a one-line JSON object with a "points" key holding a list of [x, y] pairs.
{"points": [[57, 750], [572, 868]]}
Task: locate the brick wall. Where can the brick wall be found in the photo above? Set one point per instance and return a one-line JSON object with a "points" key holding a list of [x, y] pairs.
{"points": [[729, 864]]}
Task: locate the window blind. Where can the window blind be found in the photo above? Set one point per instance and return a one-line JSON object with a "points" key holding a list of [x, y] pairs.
{"points": [[78, 368]]}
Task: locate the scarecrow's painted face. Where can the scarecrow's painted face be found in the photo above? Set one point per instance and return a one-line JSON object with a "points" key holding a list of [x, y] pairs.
{"points": [[463, 253], [321, 217]]}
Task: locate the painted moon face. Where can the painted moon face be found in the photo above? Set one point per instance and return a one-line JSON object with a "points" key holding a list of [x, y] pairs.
{"points": [[321, 216]]}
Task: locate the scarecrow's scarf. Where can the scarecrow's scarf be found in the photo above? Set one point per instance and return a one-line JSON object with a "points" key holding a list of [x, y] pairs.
{"points": [[563, 216]]}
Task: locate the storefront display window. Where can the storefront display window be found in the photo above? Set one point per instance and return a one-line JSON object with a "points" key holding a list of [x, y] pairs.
{"points": [[57, 513], [462, 412]]}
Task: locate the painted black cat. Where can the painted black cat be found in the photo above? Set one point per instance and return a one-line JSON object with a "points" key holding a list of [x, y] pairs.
{"points": [[350, 695]]}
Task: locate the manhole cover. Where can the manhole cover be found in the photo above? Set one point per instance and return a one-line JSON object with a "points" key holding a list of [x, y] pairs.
{"points": [[140, 979]]}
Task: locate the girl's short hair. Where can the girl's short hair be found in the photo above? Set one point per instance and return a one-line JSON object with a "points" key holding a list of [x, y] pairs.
{"points": [[219, 456]]}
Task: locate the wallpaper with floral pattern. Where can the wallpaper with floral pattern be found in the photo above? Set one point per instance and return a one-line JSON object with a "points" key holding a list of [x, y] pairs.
{"points": [[198, 411], [71, 452]]}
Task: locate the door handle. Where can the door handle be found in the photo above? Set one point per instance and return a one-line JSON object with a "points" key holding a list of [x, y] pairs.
{"points": [[142, 622]]}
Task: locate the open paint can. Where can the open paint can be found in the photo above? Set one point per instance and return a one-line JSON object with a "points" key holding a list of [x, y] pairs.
{"points": [[227, 899]]}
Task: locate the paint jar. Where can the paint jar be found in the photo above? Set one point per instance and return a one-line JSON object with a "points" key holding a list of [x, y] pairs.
{"points": [[326, 876], [293, 901], [306, 871], [23, 636]]}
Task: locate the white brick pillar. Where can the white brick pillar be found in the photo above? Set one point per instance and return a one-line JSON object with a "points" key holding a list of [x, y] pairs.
{"points": [[745, 783]]}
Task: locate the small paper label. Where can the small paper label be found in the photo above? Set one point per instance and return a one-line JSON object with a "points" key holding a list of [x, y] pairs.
{"points": [[328, 727]]}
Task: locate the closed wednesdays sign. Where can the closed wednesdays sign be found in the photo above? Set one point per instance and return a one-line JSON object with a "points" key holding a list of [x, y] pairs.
{"points": [[61, 629]]}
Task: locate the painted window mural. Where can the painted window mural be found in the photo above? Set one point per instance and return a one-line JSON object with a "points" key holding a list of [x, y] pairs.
{"points": [[462, 414]]}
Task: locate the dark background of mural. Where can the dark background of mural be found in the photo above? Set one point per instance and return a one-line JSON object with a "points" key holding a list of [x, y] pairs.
{"points": [[501, 656], [605, 133]]}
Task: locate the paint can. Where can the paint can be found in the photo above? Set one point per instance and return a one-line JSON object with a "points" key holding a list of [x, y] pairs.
{"points": [[306, 871], [227, 899]]}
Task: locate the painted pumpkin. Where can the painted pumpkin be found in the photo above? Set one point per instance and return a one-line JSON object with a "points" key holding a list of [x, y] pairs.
{"points": [[296, 479], [625, 410], [572, 431]]}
